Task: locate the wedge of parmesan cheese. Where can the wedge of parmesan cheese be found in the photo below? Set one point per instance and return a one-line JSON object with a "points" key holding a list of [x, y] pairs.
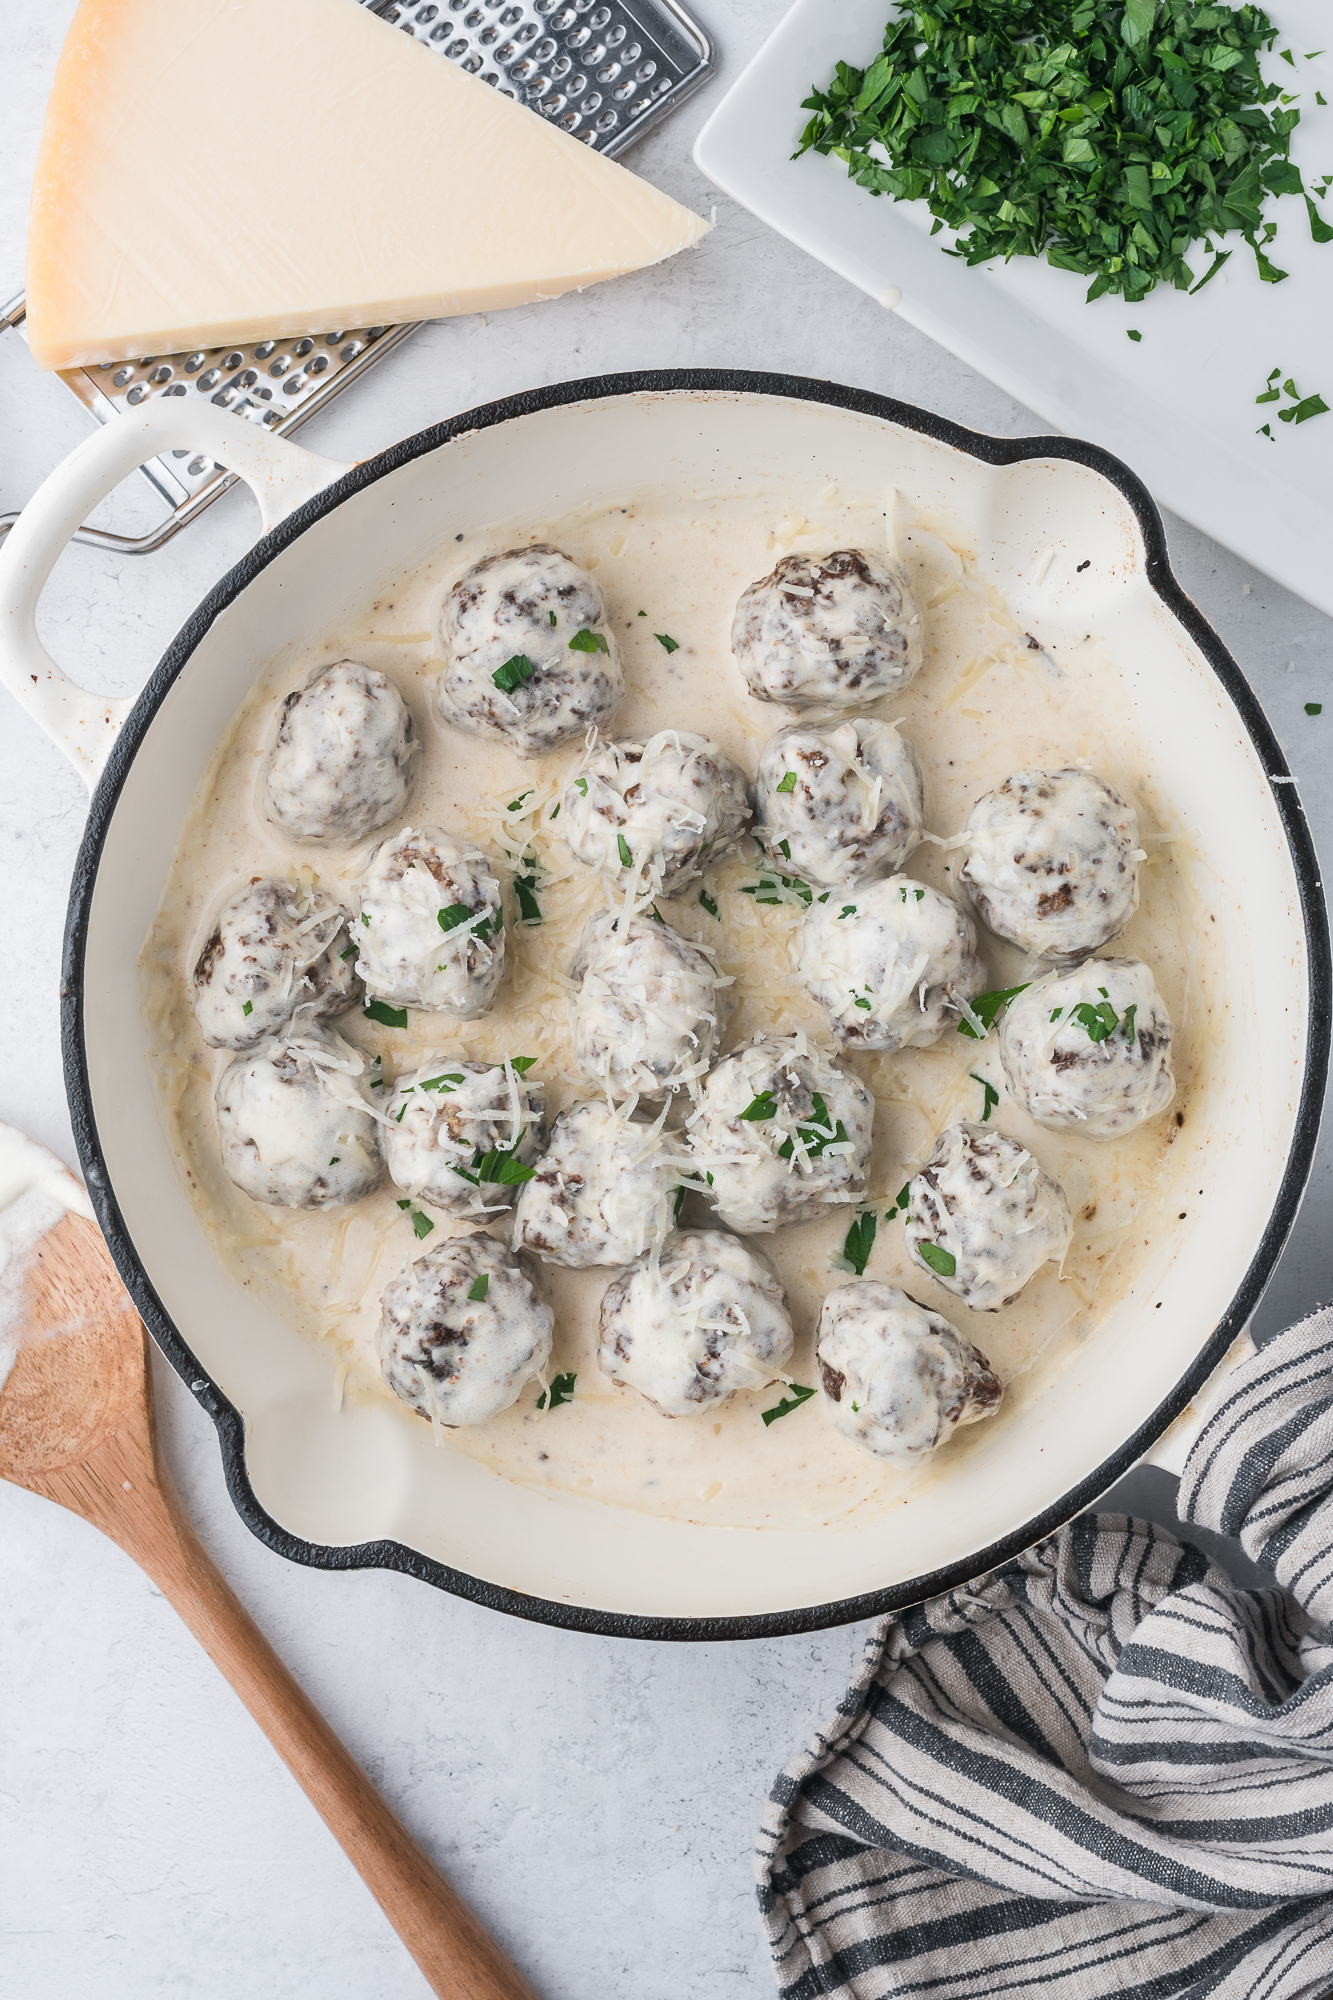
{"points": [[196, 186]]}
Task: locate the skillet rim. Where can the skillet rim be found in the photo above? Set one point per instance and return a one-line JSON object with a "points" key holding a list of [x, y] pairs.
{"points": [[386, 1553]]}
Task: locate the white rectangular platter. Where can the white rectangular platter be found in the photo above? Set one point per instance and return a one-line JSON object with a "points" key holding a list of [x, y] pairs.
{"points": [[1179, 404]]}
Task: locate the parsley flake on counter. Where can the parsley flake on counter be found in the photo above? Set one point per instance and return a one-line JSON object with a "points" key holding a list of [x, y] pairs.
{"points": [[479, 1287], [1107, 136], [1133, 333], [665, 639], [990, 1097], [562, 1391], [1299, 409], [517, 669], [249, 1007], [708, 903], [623, 850], [987, 1005], [588, 642], [1314, 708], [788, 782], [796, 1394], [860, 1242], [942, 1262], [388, 1017]]}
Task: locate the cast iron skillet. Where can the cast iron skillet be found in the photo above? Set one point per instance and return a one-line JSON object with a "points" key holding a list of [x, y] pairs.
{"points": [[389, 1554]]}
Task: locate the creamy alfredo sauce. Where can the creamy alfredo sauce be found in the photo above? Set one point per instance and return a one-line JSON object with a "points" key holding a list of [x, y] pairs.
{"points": [[984, 704]]}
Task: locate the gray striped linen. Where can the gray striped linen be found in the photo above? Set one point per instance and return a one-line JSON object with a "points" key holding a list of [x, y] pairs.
{"points": [[1100, 1771]]}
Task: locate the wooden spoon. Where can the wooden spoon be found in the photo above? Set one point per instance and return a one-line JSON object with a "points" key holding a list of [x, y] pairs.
{"points": [[77, 1426]]}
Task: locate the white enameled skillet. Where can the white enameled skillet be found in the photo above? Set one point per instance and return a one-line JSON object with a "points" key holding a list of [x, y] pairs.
{"points": [[363, 1488]]}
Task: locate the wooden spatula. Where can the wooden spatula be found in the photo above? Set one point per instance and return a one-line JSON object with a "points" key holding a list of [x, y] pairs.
{"points": [[77, 1426]]}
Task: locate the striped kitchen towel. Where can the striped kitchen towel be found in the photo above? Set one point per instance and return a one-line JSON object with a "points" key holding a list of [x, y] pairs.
{"points": [[1103, 1772]]}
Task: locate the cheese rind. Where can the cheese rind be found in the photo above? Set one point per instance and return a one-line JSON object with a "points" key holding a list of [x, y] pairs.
{"points": [[189, 195]]}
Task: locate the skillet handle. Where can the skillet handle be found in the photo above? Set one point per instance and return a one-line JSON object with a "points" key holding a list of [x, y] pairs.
{"points": [[1173, 1447], [279, 473]]}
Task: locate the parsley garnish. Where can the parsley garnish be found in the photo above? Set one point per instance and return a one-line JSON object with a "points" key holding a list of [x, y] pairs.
{"points": [[788, 782], [991, 1095], [760, 1108], [680, 1197], [249, 1007], [1106, 137], [1127, 1022], [499, 1167], [941, 1261], [522, 1064], [902, 1203], [1134, 333], [349, 953], [515, 805], [1096, 1022], [1300, 408], [525, 889], [453, 916], [513, 673], [551, 616], [796, 1395], [388, 1017], [622, 846], [556, 813], [665, 639], [857, 1001], [334, 1161], [860, 1242], [562, 1391], [421, 1223], [987, 1005], [480, 1286], [365, 919], [440, 1082], [816, 1136], [708, 903], [765, 890], [847, 910], [588, 642], [784, 849]]}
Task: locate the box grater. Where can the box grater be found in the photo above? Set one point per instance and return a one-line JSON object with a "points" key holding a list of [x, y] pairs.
{"points": [[606, 71]]}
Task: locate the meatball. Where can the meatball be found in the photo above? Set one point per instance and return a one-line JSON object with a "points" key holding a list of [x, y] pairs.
{"points": [[892, 964], [665, 807], [897, 1378], [650, 1007], [838, 631], [294, 1123], [781, 1133], [462, 1330], [690, 1331], [1052, 862], [604, 1193], [342, 764], [1090, 1050], [276, 951], [839, 805], [432, 926], [983, 1217], [526, 662], [449, 1123]]}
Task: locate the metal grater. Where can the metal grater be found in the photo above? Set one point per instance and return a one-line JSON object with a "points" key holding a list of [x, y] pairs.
{"points": [[606, 71]]}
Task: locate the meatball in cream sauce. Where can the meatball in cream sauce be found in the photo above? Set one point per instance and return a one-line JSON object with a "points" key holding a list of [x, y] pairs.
{"points": [[893, 964], [659, 811], [839, 804], [295, 1125], [342, 764], [431, 928], [528, 657], [650, 1007], [689, 1329], [276, 951], [897, 1378], [1090, 1051], [1053, 862], [604, 1192], [983, 1217], [836, 631], [462, 1330], [458, 1130]]}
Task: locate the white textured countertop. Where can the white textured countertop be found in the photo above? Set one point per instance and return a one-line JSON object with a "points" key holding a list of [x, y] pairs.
{"points": [[595, 1800]]}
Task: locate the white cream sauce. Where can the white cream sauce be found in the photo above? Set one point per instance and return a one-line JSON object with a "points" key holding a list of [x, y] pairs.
{"points": [[984, 704], [35, 1191]]}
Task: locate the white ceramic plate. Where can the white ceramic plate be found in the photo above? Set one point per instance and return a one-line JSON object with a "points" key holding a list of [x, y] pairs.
{"points": [[1179, 405]]}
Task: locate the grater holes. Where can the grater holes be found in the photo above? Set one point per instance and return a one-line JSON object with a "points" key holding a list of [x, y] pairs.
{"points": [[644, 71], [616, 35], [489, 35], [577, 85], [523, 70], [293, 385], [426, 16], [624, 90], [192, 363], [544, 50], [318, 365], [609, 73], [264, 349], [176, 389], [122, 376], [570, 120], [601, 17], [560, 68], [632, 53], [506, 54], [471, 64], [209, 379], [456, 51], [280, 366], [305, 346], [578, 38], [196, 467], [511, 16], [137, 394], [248, 380], [607, 122], [593, 103], [352, 349], [526, 32]]}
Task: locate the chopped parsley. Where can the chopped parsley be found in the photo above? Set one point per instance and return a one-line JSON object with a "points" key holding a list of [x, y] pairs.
{"points": [[680, 1198], [814, 1137], [556, 813], [388, 1017], [588, 642], [421, 1223], [453, 916], [551, 616], [365, 919], [991, 1096], [499, 1167], [562, 1391], [665, 639], [859, 1001], [334, 1161], [349, 953], [784, 849], [1314, 708], [788, 783], [708, 903], [941, 1261], [445, 1083], [479, 1287], [760, 1108], [1106, 137], [766, 889], [859, 1243], [1097, 1023], [987, 1005], [847, 910], [516, 805], [1127, 1023], [1300, 408], [1056, 1012], [522, 1064], [622, 848], [1133, 333], [513, 673], [581, 786], [249, 1007], [902, 1203], [525, 890], [795, 1396]]}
